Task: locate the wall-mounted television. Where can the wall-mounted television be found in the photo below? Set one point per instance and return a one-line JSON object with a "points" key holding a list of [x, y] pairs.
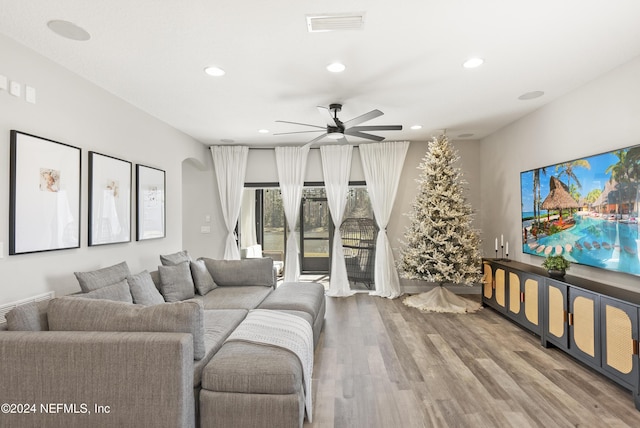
{"points": [[586, 210]]}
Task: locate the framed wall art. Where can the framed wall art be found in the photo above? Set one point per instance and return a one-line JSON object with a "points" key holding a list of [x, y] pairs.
{"points": [[150, 206], [109, 200], [44, 200]]}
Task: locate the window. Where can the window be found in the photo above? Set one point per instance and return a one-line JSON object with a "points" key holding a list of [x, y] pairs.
{"points": [[271, 225]]}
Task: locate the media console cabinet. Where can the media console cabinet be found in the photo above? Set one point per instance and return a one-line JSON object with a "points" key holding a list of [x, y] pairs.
{"points": [[595, 323]]}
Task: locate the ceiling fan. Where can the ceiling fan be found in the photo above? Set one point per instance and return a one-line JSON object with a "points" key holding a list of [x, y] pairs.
{"points": [[336, 129]]}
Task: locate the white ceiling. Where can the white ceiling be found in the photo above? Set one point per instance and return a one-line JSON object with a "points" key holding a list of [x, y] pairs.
{"points": [[406, 62]]}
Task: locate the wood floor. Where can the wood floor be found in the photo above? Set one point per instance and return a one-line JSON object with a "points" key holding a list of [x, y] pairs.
{"points": [[382, 364]]}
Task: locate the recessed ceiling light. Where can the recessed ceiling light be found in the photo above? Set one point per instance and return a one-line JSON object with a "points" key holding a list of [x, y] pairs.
{"points": [[214, 71], [416, 127], [68, 30], [531, 95], [473, 63], [263, 131], [465, 135], [227, 141], [336, 67]]}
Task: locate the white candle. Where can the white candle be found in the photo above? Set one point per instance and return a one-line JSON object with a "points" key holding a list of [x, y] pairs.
{"points": [[502, 240], [507, 248], [496, 244]]}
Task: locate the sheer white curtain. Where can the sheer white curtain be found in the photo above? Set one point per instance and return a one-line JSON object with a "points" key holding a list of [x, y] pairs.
{"points": [[382, 164], [230, 164], [248, 219], [336, 166], [291, 163]]}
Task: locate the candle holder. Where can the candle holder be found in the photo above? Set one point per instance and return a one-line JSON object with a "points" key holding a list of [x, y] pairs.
{"points": [[502, 255]]}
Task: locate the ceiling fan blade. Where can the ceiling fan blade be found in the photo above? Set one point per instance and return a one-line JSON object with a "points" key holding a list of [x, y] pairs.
{"points": [[363, 135], [303, 124], [367, 116], [326, 114], [318, 138], [377, 128], [299, 132]]}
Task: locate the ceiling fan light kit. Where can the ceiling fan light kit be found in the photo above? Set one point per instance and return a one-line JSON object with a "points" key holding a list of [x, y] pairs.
{"points": [[337, 130]]}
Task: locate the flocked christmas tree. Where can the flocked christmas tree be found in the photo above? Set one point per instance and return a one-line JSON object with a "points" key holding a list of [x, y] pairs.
{"points": [[440, 245]]}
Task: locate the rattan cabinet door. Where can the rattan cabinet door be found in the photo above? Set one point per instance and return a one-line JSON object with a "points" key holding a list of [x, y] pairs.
{"points": [[532, 297], [494, 290], [555, 314], [584, 326], [620, 340], [515, 298], [524, 300]]}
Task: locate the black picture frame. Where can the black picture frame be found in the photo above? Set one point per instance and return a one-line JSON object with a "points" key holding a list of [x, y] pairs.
{"points": [[45, 200], [109, 200], [150, 203]]}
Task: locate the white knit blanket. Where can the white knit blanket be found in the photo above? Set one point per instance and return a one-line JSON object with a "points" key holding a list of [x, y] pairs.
{"points": [[285, 331]]}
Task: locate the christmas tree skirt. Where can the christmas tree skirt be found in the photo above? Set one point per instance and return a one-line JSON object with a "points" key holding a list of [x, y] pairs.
{"points": [[441, 300]]}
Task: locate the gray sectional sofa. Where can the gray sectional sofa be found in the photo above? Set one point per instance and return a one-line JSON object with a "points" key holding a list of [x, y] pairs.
{"points": [[147, 351]]}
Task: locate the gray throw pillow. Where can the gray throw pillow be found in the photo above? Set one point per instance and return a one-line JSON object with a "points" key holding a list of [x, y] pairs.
{"points": [[241, 272], [175, 258], [77, 314], [28, 317], [201, 277], [118, 292], [143, 290], [93, 280], [176, 282]]}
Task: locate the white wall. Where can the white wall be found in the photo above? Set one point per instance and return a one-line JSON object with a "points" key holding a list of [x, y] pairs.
{"points": [[598, 117], [73, 111], [201, 202]]}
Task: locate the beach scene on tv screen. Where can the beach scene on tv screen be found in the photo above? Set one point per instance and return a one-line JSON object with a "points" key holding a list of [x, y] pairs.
{"points": [[585, 210]]}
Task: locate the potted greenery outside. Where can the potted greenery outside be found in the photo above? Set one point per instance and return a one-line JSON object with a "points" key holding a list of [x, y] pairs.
{"points": [[556, 265]]}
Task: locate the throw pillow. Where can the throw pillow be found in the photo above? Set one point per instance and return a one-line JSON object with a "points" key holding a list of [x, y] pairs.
{"points": [[176, 282], [143, 290], [28, 317], [241, 272], [77, 314], [118, 292], [201, 277], [175, 258], [93, 280]]}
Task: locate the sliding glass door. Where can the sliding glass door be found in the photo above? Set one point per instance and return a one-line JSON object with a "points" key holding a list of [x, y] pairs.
{"points": [[316, 231]]}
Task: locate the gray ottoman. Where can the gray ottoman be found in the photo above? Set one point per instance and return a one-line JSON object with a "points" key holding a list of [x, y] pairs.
{"points": [[252, 385], [299, 296]]}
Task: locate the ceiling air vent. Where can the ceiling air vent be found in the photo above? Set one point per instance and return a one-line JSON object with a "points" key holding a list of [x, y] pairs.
{"points": [[335, 22]]}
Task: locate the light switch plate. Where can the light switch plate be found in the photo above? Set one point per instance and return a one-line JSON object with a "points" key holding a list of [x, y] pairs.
{"points": [[3, 82], [14, 89], [1, 250], [30, 94], [205, 229], [207, 218]]}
